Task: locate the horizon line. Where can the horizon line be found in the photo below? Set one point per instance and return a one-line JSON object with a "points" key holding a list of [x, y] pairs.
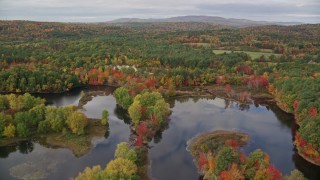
{"points": [[164, 18]]}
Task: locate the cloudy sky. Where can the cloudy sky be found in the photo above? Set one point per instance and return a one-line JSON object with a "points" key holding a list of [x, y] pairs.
{"points": [[105, 10]]}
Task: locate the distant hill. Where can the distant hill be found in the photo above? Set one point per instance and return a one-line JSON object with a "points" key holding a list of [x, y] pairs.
{"points": [[206, 19]]}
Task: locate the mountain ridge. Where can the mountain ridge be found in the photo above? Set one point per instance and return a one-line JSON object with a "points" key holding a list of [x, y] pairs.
{"points": [[204, 19]]}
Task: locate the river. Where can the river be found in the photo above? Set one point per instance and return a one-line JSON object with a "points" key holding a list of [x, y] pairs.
{"points": [[270, 129]]}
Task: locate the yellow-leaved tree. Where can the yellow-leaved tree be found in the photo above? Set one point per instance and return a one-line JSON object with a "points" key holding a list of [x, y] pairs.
{"points": [[77, 121]]}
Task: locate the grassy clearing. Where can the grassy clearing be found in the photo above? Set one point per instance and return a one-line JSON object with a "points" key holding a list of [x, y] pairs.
{"points": [[206, 45], [253, 55], [79, 145], [214, 141]]}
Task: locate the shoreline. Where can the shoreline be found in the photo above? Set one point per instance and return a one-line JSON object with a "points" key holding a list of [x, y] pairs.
{"points": [[79, 145], [219, 91], [214, 90]]}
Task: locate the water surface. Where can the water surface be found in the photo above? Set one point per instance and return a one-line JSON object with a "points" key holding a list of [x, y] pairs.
{"points": [[269, 128]]}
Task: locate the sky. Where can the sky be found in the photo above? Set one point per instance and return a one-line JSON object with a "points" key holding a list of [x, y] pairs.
{"points": [[307, 11]]}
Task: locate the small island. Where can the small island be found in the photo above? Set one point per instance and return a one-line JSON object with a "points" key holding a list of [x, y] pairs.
{"points": [[25, 117], [218, 156], [214, 140], [78, 144]]}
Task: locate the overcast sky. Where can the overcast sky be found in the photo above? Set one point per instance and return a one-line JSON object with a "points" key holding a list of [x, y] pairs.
{"points": [[105, 10]]}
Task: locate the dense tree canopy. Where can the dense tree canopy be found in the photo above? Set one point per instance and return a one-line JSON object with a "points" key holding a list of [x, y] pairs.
{"points": [[24, 115], [155, 60]]}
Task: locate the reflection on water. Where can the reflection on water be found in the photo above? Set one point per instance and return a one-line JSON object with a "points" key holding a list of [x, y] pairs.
{"points": [[24, 147], [67, 98], [39, 166], [270, 129], [310, 170], [122, 114], [13, 161]]}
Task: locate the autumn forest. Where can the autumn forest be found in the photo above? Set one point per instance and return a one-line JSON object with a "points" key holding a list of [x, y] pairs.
{"points": [[148, 65]]}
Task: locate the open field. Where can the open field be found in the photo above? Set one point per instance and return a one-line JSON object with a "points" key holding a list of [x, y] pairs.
{"points": [[253, 55]]}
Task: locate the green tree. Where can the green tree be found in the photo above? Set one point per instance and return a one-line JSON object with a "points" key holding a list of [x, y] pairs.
{"points": [[44, 126], [161, 109], [123, 97], [148, 99], [32, 84], [57, 116], [4, 103], [56, 121], [29, 101], [38, 114], [105, 117], [23, 130], [22, 84], [12, 83], [225, 158], [23, 117], [135, 112], [4, 121]]}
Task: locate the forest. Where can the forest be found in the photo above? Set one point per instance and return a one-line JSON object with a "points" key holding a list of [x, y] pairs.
{"points": [[150, 62]]}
